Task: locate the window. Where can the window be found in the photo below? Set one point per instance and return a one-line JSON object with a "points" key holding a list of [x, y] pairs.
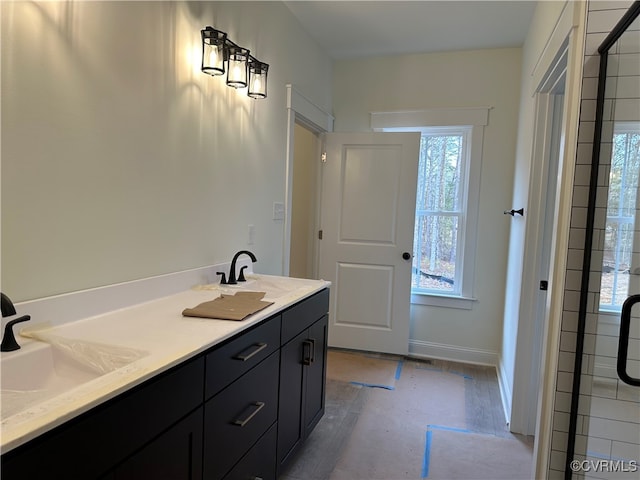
{"points": [[447, 195], [438, 243], [621, 211]]}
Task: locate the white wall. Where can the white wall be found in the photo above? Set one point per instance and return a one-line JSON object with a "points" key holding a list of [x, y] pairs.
{"points": [[542, 26], [121, 160], [452, 79]]}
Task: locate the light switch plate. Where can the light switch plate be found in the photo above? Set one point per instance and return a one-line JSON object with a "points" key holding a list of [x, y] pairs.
{"points": [[278, 211]]}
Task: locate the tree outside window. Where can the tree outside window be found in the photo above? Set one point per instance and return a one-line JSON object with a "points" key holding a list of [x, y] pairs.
{"points": [[440, 211], [621, 212]]}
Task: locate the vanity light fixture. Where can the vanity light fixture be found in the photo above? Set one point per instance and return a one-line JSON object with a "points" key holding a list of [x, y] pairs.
{"points": [[257, 79], [220, 55]]}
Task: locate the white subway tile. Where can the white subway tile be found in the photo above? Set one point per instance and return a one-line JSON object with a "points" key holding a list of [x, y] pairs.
{"points": [[576, 238], [626, 451], [591, 67], [614, 430], [603, 20], [629, 42], [628, 392], [582, 174], [566, 362], [593, 42], [618, 410], [609, 4], [628, 88], [588, 110], [557, 459], [564, 382], [568, 342], [584, 153], [627, 110], [589, 88]]}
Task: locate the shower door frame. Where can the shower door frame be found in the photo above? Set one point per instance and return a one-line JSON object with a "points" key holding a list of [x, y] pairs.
{"points": [[610, 40]]}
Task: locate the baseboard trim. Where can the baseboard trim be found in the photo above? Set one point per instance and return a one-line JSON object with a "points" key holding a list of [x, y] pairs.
{"points": [[453, 353], [505, 392]]}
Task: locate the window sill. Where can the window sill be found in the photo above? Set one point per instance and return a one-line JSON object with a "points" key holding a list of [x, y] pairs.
{"points": [[448, 301]]}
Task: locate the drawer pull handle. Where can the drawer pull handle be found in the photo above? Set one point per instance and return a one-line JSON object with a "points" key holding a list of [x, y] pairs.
{"points": [[313, 349], [308, 358], [255, 408], [253, 350]]}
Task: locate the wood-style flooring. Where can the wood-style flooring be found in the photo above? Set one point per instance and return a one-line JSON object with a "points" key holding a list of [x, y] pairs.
{"points": [[390, 417]]}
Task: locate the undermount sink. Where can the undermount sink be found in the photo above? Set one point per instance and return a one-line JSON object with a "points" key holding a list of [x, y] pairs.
{"points": [[40, 371], [273, 288]]}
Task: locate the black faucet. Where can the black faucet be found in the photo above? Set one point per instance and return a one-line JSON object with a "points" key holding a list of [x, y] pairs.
{"points": [[232, 271], [9, 343]]}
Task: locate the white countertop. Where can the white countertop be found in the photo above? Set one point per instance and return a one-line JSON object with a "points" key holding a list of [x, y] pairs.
{"points": [[157, 327]]}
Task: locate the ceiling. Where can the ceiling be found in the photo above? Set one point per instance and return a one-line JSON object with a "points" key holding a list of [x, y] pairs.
{"points": [[356, 29]]}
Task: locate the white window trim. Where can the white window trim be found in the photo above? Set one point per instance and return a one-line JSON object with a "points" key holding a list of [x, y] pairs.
{"points": [[418, 120]]}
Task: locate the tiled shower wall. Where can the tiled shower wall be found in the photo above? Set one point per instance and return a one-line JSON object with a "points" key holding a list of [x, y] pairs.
{"points": [[602, 16]]}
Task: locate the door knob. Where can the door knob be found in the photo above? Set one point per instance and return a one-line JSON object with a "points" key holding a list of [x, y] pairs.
{"points": [[406, 256]]}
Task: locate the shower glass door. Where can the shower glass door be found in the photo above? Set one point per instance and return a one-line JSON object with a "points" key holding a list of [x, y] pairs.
{"points": [[607, 420]]}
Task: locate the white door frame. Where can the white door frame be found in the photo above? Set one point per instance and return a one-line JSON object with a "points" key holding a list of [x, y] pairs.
{"points": [[538, 250], [304, 112]]}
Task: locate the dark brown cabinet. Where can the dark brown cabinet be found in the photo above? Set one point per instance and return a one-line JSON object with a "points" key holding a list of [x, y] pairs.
{"points": [[236, 411]]}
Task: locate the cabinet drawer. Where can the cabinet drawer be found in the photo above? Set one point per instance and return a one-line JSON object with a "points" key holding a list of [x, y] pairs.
{"points": [[260, 461], [238, 416], [227, 363], [304, 314]]}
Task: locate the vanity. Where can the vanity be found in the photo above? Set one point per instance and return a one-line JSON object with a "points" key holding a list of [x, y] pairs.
{"points": [[219, 400]]}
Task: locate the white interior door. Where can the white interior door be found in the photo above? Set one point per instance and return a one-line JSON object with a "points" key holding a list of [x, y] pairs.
{"points": [[367, 220]]}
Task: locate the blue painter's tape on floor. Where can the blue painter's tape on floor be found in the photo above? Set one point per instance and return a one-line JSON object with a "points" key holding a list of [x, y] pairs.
{"points": [[449, 429], [427, 454], [463, 375], [399, 369], [427, 447], [373, 385]]}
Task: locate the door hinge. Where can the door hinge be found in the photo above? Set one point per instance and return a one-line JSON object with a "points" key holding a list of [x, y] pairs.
{"points": [[544, 285], [319, 234], [323, 157]]}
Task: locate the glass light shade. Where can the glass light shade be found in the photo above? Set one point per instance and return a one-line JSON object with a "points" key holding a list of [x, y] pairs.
{"points": [[237, 66], [213, 51], [257, 79]]}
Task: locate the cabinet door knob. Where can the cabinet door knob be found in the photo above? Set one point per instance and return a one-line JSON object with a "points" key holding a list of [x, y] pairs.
{"points": [[406, 256]]}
